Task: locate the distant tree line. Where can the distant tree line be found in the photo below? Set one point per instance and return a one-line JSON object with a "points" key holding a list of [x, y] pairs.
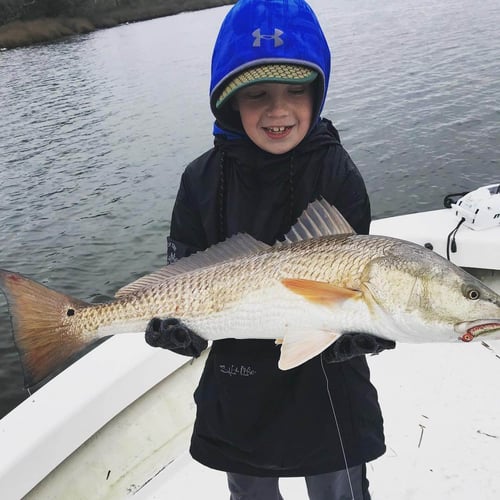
{"points": [[25, 10]]}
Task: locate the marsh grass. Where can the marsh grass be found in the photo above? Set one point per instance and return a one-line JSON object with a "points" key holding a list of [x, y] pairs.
{"points": [[22, 33], [19, 33]]}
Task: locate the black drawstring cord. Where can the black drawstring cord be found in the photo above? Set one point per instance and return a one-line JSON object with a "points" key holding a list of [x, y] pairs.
{"points": [[451, 244], [291, 191], [220, 197], [222, 188]]}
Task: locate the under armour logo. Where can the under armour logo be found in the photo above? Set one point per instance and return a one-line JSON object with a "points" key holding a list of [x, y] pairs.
{"points": [[276, 37]]}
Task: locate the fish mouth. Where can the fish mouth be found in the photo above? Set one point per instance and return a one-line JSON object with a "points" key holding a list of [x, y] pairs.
{"points": [[469, 330]]}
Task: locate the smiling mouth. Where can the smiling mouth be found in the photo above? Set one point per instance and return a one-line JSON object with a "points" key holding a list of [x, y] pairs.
{"points": [[280, 131]]}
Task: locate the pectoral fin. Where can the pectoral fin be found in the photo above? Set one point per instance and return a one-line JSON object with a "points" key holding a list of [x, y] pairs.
{"points": [[320, 292], [299, 347]]}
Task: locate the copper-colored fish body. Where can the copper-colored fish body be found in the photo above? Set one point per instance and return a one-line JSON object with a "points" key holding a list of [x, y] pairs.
{"points": [[321, 282]]}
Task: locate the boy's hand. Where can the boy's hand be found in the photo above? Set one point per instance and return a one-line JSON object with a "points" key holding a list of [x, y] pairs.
{"points": [[351, 345], [173, 335]]}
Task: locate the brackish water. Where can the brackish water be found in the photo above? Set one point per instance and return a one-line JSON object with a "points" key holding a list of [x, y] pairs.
{"points": [[95, 131]]}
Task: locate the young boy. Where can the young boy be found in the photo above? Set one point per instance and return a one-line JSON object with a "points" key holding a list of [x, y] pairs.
{"points": [[273, 155]]}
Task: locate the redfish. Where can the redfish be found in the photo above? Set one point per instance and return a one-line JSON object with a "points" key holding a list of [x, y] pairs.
{"points": [[322, 281]]}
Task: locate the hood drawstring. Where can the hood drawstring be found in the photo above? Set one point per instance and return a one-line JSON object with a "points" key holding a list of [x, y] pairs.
{"points": [[291, 192], [221, 196], [222, 188]]}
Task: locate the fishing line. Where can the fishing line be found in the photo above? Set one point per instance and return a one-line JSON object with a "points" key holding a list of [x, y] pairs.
{"points": [[338, 426]]}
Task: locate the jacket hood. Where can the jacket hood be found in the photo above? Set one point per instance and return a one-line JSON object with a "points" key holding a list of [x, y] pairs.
{"points": [[256, 32]]}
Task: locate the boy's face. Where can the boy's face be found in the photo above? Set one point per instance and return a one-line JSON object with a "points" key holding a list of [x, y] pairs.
{"points": [[275, 116]]}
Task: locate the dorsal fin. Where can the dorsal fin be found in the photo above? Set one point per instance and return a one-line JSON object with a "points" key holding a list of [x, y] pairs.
{"points": [[318, 219], [239, 245]]}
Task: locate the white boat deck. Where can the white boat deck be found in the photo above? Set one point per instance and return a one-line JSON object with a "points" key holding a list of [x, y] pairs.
{"points": [[442, 424], [442, 420], [433, 228]]}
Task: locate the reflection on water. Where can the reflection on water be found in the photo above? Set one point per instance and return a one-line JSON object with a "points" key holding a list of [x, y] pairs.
{"points": [[96, 130]]}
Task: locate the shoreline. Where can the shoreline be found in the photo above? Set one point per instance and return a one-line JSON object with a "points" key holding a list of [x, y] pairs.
{"points": [[23, 33]]}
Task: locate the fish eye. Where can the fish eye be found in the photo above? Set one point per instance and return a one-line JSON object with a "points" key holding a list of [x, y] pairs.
{"points": [[472, 294]]}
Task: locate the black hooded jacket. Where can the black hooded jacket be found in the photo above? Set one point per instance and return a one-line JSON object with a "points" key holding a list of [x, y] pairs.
{"points": [[253, 418]]}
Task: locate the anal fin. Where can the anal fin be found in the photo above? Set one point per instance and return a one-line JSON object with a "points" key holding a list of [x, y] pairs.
{"points": [[299, 347]]}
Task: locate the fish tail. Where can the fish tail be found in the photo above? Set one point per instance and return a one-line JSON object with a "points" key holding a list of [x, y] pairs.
{"points": [[45, 332]]}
